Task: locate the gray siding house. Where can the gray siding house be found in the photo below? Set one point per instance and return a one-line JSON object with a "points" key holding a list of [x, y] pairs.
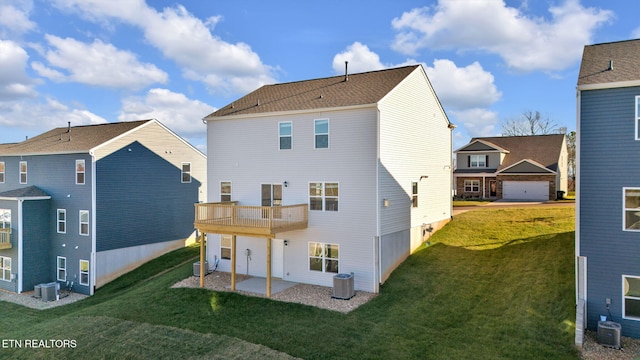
{"points": [[86, 204], [608, 186]]}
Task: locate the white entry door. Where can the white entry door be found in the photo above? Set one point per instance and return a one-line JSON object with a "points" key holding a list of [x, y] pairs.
{"points": [[525, 190], [277, 258]]}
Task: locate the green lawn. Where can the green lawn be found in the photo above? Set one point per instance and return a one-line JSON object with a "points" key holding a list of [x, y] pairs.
{"points": [[494, 284]]}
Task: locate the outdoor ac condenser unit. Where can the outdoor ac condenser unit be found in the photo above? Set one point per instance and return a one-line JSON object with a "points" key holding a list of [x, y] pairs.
{"points": [[343, 286], [49, 291], [196, 268], [609, 334]]}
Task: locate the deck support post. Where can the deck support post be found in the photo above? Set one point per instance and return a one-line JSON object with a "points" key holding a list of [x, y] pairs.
{"points": [[202, 259], [268, 267], [233, 263]]}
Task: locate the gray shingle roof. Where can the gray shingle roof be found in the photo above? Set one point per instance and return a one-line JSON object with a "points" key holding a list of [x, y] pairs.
{"points": [[544, 149], [78, 139], [26, 192], [361, 89], [622, 55]]}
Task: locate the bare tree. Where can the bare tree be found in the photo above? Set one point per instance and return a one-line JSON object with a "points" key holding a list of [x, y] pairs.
{"points": [[530, 123]]}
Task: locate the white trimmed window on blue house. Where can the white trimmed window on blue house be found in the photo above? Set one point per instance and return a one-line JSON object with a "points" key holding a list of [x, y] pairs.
{"points": [[61, 265], [5, 268], [324, 257], [186, 172], [84, 272], [5, 219], [23, 172], [285, 135], [321, 130], [80, 172], [1, 172], [631, 297], [631, 206], [62, 221], [637, 117], [84, 222]]}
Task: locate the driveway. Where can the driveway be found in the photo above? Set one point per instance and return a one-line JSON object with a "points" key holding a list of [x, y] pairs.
{"points": [[511, 204]]}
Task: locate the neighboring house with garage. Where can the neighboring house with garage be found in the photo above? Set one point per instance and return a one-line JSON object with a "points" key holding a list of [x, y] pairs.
{"points": [[512, 167], [85, 204], [345, 174], [608, 185]]}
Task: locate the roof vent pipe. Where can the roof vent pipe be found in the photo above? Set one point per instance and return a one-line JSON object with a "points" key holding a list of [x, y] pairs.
{"points": [[610, 65], [68, 126], [346, 71]]}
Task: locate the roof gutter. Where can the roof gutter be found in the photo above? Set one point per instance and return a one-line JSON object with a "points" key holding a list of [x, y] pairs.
{"points": [[288, 112]]}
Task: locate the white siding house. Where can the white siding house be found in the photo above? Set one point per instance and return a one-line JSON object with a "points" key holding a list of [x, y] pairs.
{"points": [[369, 156]]}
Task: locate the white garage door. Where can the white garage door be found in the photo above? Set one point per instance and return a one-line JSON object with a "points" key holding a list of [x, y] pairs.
{"points": [[525, 190]]}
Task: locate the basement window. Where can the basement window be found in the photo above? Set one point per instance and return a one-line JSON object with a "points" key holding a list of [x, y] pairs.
{"points": [[631, 297]]}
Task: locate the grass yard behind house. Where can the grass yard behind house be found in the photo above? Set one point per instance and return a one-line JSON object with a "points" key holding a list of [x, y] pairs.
{"points": [[495, 284]]}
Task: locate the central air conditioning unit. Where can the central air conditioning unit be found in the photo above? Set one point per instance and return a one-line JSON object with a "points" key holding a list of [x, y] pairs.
{"points": [[609, 334], [49, 291], [37, 291], [343, 286], [196, 268]]}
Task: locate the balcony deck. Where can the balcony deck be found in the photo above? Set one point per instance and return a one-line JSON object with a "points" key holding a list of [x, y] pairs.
{"points": [[5, 239], [260, 221]]}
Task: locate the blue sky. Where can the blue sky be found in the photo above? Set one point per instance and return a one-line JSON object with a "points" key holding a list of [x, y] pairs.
{"points": [[95, 61]]}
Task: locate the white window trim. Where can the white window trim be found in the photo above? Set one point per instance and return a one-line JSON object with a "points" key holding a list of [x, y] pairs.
{"points": [[2, 222], [324, 195], [83, 172], [624, 209], [3, 268], [230, 247], [26, 172], [80, 222], [471, 181], [3, 172], [477, 157], [624, 297], [58, 221], [324, 265], [280, 136], [315, 144], [80, 272], [230, 187], [637, 103], [58, 268], [182, 172]]}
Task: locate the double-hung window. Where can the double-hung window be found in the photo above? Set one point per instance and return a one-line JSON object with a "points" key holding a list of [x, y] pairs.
{"points": [[61, 264], [637, 118], [323, 196], [323, 257], [478, 161], [285, 135], [631, 297], [5, 268], [84, 222], [472, 185], [84, 272], [321, 130], [62, 221], [23, 172], [631, 206], [414, 194], [186, 172], [79, 172], [5, 219], [225, 247], [225, 191], [1, 172]]}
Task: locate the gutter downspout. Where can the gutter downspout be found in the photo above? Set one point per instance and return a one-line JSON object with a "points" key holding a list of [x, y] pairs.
{"points": [[377, 256], [577, 210], [20, 246], [92, 263]]}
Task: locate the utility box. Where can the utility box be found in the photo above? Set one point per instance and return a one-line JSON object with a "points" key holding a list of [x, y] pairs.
{"points": [[343, 286], [37, 291], [609, 334], [196, 268]]}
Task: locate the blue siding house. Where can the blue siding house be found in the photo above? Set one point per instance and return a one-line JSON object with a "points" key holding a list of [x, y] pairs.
{"points": [[608, 187], [85, 204]]}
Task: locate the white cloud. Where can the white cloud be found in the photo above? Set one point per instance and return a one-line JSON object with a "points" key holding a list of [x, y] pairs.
{"points": [[175, 110], [526, 43], [477, 122], [14, 20], [97, 63], [186, 40], [462, 87], [635, 34], [14, 82], [360, 59], [43, 116]]}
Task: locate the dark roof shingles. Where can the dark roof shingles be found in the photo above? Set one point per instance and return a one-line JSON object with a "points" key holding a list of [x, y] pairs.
{"points": [[544, 149], [622, 55], [26, 192], [360, 89]]}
